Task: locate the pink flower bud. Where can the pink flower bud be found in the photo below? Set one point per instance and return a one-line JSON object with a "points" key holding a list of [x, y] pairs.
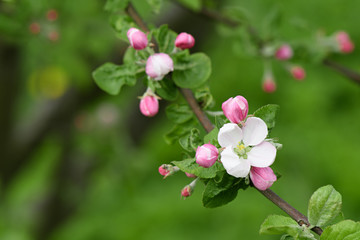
{"points": [[262, 178], [163, 170], [235, 109], [344, 42], [149, 106], [53, 36], [190, 175], [269, 85], [184, 41], [298, 73], [34, 28], [137, 38], [167, 170], [206, 155], [284, 52], [158, 65], [186, 191], [52, 15]]}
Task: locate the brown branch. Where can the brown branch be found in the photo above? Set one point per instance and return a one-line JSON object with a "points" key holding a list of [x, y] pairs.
{"points": [[342, 70], [208, 126]]}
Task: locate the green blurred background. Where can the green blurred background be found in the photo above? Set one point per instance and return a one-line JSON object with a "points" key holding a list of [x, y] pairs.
{"points": [[79, 164]]}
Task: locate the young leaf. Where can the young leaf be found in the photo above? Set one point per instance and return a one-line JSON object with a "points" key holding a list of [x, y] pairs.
{"points": [[165, 39], [220, 121], [179, 113], [110, 77], [324, 206], [204, 97], [178, 131], [268, 114], [191, 4], [211, 136], [191, 71], [191, 141], [344, 230], [121, 23], [220, 192], [190, 166], [167, 90], [116, 5], [156, 5]]}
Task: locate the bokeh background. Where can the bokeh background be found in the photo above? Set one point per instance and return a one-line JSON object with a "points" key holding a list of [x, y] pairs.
{"points": [[79, 164]]}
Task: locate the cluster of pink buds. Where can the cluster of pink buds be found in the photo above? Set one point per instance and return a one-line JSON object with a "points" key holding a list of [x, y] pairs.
{"points": [[51, 33], [149, 104]]}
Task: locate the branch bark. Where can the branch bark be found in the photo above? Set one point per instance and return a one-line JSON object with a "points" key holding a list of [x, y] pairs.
{"points": [[208, 126]]}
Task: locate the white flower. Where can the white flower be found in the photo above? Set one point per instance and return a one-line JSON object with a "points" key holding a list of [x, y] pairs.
{"points": [[245, 147]]}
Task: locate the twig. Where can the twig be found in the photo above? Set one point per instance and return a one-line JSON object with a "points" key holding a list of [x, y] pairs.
{"points": [[208, 126]]}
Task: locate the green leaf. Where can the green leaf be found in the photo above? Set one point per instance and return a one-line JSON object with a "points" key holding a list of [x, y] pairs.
{"points": [[121, 23], [194, 5], [165, 39], [178, 131], [344, 230], [204, 97], [324, 206], [167, 90], [116, 5], [212, 136], [191, 141], [110, 77], [277, 224], [179, 113], [220, 192], [220, 121], [190, 166], [156, 5], [268, 114], [131, 56], [191, 71]]}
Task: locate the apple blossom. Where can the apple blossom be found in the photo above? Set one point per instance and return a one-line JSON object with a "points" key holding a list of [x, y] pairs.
{"points": [[184, 41], [158, 65], [235, 109], [245, 147], [206, 155], [298, 73], [284, 52], [262, 178], [149, 105], [137, 38]]}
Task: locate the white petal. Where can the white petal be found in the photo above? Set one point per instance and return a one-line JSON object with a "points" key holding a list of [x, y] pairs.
{"points": [[255, 131], [234, 165], [262, 155], [230, 135]]}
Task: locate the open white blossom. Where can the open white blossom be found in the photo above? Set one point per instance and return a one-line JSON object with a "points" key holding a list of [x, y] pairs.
{"points": [[245, 147]]}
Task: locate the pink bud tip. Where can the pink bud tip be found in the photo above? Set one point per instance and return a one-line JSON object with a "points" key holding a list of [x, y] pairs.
{"points": [[137, 38], [262, 178], [269, 85], [163, 171], [344, 42], [158, 65], [206, 155], [184, 41], [235, 109], [52, 15], [190, 175], [298, 73], [149, 106], [284, 52], [186, 191], [34, 28], [53, 36]]}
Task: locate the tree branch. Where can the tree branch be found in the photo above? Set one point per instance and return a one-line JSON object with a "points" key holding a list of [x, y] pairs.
{"points": [[208, 126]]}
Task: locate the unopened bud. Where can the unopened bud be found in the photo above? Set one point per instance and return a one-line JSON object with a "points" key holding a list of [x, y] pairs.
{"points": [[262, 178], [206, 155], [167, 170], [188, 189], [149, 106], [284, 52], [53, 36], [34, 28], [298, 73], [184, 41], [269, 85], [190, 175], [137, 38], [158, 65], [52, 15], [235, 109], [345, 44]]}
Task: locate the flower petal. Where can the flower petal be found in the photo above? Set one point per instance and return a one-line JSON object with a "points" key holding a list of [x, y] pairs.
{"points": [[234, 165], [255, 131], [229, 135], [262, 155]]}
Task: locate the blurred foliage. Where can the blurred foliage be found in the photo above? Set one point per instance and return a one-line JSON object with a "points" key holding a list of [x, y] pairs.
{"points": [[114, 152]]}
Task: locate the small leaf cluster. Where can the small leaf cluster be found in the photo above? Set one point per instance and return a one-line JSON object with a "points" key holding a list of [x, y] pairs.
{"points": [[324, 211]]}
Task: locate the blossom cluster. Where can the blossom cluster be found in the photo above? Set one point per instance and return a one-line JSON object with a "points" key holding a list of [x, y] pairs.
{"points": [[244, 149], [158, 65], [48, 28]]}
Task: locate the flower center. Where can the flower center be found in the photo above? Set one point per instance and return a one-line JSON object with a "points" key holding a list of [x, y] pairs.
{"points": [[241, 150]]}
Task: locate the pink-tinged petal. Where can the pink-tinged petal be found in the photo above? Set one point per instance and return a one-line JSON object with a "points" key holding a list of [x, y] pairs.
{"points": [[262, 155], [158, 65], [234, 165], [255, 131], [262, 178], [230, 135]]}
